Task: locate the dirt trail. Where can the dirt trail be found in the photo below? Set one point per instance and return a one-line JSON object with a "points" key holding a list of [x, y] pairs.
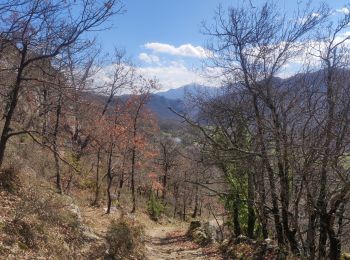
{"points": [[162, 242], [170, 242]]}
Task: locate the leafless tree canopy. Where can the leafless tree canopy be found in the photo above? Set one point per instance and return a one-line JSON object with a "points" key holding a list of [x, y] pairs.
{"points": [[282, 144]]}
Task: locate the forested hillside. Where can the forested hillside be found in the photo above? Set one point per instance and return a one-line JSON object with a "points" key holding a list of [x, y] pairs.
{"points": [[106, 168]]}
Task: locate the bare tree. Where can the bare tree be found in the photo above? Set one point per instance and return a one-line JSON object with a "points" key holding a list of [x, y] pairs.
{"points": [[121, 79], [332, 52], [167, 160], [137, 107], [251, 46], [41, 30]]}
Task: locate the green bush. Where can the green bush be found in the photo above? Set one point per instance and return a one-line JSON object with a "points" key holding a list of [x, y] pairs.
{"points": [[123, 239], [155, 207]]}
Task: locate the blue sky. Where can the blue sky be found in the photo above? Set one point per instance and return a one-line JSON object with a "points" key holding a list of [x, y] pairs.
{"points": [[163, 36]]}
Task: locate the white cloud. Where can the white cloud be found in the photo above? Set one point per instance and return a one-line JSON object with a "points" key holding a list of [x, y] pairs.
{"points": [[186, 50], [149, 58], [173, 76], [343, 10]]}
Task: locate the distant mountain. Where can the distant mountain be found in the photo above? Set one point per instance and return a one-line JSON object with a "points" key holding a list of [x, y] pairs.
{"points": [[160, 102], [159, 105], [191, 89]]}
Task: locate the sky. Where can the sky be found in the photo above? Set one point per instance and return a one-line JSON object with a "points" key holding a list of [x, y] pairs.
{"points": [[164, 39]]}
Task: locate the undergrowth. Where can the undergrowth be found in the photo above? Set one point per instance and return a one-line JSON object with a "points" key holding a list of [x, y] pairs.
{"points": [[124, 240]]}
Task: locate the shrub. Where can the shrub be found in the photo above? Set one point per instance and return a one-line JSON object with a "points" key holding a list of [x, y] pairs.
{"points": [[46, 208], [123, 239], [155, 207], [9, 180], [24, 230], [44, 204]]}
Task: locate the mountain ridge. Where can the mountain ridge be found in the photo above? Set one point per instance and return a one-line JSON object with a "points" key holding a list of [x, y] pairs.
{"points": [[189, 89]]}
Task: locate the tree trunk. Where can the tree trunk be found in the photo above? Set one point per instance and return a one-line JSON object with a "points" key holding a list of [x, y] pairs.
{"points": [[310, 235], [236, 223], [321, 201], [251, 212], [109, 180], [121, 183], [275, 210], [262, 202], [55, 145], [176, 194], [97, 182], [12, 106], [58, 172], [265, 161], [323, 236], [165, 177], [195, 211], [334, 241], [69, 183], [45, 112], [184, 208], [133, 157], [281, 152], [200, 208]]}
